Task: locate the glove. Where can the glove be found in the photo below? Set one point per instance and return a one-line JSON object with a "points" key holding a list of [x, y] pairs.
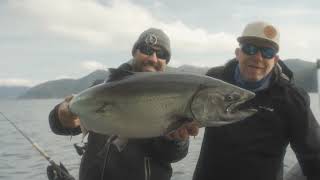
{"points": [[55, 172]]}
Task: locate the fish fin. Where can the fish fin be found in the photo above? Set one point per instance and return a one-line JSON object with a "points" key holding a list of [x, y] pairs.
{"points": [[178, 121], [106, 107], [84, 132], [117, 74], [120, 143]]}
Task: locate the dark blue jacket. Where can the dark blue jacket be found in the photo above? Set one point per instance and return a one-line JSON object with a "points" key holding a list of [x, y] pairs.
{"points": [[253, 149]]}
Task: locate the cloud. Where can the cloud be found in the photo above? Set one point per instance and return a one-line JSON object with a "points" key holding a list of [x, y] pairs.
{"points": [[300, 41], [296, 12], [92, 65], [16, 82], [116, 25], [198, 40]]}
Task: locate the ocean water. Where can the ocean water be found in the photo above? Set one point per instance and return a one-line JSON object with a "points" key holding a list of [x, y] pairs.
{"points": [[19, 160]]}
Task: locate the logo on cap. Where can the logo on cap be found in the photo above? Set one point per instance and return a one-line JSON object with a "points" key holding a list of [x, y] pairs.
{"points": [[151, 39], [270, 32]]}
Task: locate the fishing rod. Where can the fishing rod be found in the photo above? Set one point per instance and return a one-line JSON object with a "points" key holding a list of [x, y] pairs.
{"points": [[318, 78], [54, 171]]}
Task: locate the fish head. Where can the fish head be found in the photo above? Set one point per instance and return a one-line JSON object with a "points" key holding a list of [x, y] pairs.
{"points": [[92, 104], [221, 105]]}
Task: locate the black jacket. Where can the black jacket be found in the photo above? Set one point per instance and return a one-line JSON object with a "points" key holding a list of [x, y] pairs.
{"points": [[141, 159], [253, 149]]}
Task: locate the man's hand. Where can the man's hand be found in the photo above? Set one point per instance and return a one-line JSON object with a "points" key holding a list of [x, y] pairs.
{"points": [[183, 133], [66, 117]]}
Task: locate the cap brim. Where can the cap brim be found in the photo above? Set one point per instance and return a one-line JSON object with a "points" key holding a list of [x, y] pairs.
{"points": [[257, 41]]}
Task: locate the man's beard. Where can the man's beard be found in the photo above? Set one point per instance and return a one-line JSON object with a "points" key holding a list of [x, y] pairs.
{"points": [[138, 66]]}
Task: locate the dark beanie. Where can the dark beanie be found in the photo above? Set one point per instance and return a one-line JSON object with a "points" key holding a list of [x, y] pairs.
{"points": [[153, 37]]}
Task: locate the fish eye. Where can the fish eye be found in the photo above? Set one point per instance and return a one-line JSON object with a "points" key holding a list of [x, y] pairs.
{"points": [[232, 97], [228, 98]]}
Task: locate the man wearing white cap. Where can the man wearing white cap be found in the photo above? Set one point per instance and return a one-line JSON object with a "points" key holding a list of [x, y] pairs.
{"points": [[254, 149]]}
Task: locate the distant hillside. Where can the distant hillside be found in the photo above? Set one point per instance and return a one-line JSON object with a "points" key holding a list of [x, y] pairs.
{"points": [[63, 87], [188, 69], [304, 74], [9, 92]]}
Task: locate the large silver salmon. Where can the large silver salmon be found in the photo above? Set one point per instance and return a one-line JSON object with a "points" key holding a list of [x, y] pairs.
{"points": [[147, 104]]}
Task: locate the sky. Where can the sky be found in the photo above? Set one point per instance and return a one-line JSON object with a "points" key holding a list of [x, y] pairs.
{"points": [[43, 40]]}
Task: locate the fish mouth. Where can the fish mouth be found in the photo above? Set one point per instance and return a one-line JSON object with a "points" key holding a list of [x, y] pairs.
{"points": [[232, 108], [239, 106]]}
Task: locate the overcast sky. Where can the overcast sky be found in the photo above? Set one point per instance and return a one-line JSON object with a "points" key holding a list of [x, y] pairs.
{"points": [[43, 40]]}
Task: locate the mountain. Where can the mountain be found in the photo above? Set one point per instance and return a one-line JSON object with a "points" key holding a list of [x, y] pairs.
{"points": [[63, 87], [9, 92], [305, 75], [188, 69]]}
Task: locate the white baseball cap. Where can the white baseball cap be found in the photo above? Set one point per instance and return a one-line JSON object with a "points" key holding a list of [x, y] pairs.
{"points": [[260, 31]]}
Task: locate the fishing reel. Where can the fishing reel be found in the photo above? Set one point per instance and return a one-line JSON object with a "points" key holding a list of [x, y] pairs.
{"points": [[80, 148]]}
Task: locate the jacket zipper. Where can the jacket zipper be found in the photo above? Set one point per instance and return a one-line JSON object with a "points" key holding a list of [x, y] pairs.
{"points": [[107, 155], [147, 168]]}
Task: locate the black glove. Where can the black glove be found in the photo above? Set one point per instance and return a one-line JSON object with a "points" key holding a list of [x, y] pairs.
{"points": [[56, 172], [80, 148]]}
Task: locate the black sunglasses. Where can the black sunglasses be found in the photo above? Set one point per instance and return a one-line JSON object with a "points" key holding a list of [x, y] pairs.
{"points": [[148, 50], [266, 52]]}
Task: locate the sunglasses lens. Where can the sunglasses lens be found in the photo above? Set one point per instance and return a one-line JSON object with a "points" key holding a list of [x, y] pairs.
{"points": [[162, 54], [147, 50], [268, 53], [249, 49]]}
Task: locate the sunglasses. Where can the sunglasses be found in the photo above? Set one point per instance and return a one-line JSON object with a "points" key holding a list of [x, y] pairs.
{"points": [[266, 52], [148, 50]]}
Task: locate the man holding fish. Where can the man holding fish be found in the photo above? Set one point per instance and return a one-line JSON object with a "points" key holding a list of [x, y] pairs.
{"points": [[143, 158], [254, 149]]}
